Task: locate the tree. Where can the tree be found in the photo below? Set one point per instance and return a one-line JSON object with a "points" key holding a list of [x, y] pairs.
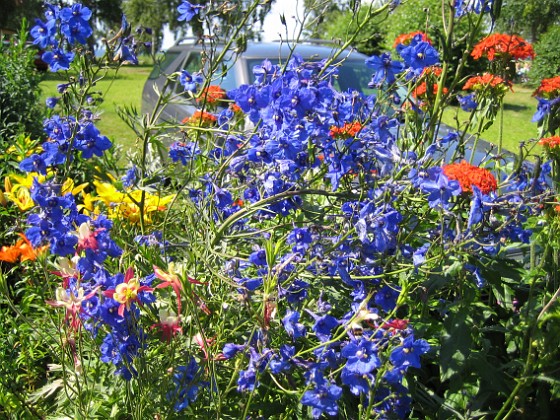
{"points": [[547, 62], [368, 41], [225, 17], [153, 14], [529, 18], [337, 24], [13, 12]]}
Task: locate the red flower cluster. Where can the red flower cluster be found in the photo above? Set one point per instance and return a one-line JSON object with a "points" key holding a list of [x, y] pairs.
{"points": [[406, 38], [421, 90], [468, 175], [549, 88], [498, 45], [550, 143], [211, 95], [429, 77], [485, 81], [346, 131], [200, 119]]}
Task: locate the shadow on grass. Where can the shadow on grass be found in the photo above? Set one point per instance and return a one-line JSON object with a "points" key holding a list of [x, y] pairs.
{"points": [[515, 107], [123, 73]]}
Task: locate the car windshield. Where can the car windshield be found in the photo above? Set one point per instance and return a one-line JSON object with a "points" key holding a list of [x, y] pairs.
{"points": [[352, 74]]}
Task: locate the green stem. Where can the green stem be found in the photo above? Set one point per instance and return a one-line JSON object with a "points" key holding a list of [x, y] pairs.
{"points": [[500, 128]]}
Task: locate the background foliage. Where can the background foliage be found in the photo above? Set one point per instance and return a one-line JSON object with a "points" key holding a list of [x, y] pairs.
{"points": [[20, 110]]}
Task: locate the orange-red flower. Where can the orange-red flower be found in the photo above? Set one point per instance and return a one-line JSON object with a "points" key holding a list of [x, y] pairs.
{"points": [[211, 95], [468, 175], [511, 47], [549, 88], [406, 38], [550, 143], [429, 76], [346, 131], [201, 119], [235, 108], [22, 250], [485, 81], [420, 91]]}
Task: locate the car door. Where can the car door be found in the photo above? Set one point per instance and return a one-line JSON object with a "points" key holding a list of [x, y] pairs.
{"points": [[180, 105]]}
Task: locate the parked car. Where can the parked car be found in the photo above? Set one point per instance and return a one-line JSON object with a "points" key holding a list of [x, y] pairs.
{"points": [[353, 74]]}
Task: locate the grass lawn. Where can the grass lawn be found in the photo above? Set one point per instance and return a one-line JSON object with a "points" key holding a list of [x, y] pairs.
{"points": [[518, 111], [124, 88]]}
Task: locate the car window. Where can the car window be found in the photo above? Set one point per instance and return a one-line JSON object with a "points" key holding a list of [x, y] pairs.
{"points": [[227, 79], [352, 74], [193, 64], [164, 64]]}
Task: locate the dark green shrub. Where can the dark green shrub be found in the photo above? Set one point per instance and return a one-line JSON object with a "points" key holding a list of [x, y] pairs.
{"points": [[20, 110], [547, 62]]}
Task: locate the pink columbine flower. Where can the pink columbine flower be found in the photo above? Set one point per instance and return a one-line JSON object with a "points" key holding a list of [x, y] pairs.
{"points": [[72, 301], [127, 292], [172, 279], [86, 237], [169, 325]]}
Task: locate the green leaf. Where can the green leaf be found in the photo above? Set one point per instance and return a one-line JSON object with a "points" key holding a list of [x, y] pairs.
{"points": [[456, 343]]}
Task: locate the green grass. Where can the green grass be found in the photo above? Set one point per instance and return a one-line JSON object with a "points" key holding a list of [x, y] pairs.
{"points": [[519, 107], [124, 88]]}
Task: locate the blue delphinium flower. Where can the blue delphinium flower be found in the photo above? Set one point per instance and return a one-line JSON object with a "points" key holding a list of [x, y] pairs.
{"points": [[419, 54], [323, 325], [187, 11], [476, 212], [76, 30], [251, 99], [293, 327], [386, 298], [439, 188], [385, 69], [467, 102], [34, 163], [63, 244], [361, 355], [463, 7], [323, 398], [75, 12], [183, 152], [480, 281], [358, 383], [408, 354], [544, 107], [190, 81], [90, 141], [265, 72], [231, 349], [58, 59], [186, 385], [247, 379], [51, 102], [301, 239], [119, 347], [258, 257], [127, 54], [43, 34], [282, 362], [296, 292], [129, 179], [378, 227]]}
